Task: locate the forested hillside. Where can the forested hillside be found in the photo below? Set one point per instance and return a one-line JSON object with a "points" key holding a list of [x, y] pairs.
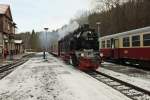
{"points": [[119, 17]]}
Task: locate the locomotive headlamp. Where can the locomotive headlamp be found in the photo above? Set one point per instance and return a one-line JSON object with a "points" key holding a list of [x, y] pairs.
{"points": [[82, 54], [101, 55]]}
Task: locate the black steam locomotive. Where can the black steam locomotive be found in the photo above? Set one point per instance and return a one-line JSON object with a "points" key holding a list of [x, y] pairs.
{"points": [[81, 48]]}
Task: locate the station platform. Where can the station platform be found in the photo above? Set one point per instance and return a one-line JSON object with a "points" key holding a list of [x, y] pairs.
{"points": [[38, 79]]}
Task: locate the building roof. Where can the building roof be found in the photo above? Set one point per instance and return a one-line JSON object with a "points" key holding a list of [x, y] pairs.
{"points": [[3, 8], [18, 41]]}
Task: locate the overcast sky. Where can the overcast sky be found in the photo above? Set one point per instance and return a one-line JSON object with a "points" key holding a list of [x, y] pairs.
{"points": [[37, 14]]}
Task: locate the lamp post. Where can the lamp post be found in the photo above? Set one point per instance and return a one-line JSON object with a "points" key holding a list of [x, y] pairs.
{"points": [[45, 47], [98, 28], [99, 35]]}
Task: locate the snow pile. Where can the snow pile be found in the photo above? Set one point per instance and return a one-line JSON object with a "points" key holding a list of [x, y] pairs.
{"points": [[53, 80]]}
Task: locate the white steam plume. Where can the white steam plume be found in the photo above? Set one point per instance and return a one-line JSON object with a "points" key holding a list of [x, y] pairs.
{"points": [[47, 39], [67, 29]]}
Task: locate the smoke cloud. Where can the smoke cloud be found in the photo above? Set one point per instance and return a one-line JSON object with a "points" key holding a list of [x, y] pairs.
{"points": [[47, 39], [65, 30]]}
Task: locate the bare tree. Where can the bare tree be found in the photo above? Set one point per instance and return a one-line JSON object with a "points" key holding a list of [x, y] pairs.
{"points": [[118, 16], [81, 18]]}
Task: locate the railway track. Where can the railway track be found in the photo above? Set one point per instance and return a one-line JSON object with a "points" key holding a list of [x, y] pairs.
{"points": [[7, 69], [131, 91], [143, 66]]}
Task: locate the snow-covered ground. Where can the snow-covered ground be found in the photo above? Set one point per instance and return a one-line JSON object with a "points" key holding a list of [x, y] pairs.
{"points": [[128, 70], [135, 80], [53, 80]]}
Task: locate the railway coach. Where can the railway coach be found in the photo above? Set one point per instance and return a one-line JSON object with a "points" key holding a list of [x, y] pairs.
{"points": [[131, 46]]}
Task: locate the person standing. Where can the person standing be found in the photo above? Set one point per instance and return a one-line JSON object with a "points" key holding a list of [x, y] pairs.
{"points": [[5, 53]]}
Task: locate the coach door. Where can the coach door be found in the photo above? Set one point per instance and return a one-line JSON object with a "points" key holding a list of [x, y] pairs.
{"points": [[116, 49]]}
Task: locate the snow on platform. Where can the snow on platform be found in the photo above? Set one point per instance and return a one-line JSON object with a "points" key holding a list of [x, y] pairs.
{"points": [[145, 84], [53, 80]]}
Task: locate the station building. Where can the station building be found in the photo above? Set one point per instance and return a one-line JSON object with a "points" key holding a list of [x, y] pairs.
{"points": [[7, 30], [19, 47]]}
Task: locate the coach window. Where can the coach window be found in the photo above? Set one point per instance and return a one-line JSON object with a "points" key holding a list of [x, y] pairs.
{"points": [[136, 40], [126, 42], [108, 44], [103, 44], [146, 39]]}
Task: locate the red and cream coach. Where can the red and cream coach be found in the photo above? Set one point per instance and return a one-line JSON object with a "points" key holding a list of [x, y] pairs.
{"points": [[132, 46]]}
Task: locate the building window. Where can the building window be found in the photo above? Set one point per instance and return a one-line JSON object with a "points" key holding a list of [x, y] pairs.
{"points": [[8, 27], [136, 40], [126, 42], [108, 44], [103, 44], [146, 39]]}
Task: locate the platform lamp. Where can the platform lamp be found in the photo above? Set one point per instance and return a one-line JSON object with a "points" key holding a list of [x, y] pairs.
{"points": [[98, 28], [45, 47], [99, 35]]}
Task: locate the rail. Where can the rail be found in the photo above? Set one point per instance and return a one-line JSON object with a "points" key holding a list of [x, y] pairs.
{"points": [[130, 90], [7, 69]]}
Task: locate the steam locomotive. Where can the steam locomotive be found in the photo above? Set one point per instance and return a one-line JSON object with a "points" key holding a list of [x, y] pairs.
{"points": [[80, 48]]}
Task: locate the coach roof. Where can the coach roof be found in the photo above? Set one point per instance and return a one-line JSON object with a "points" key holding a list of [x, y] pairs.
{"points": [[140, 30]]}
